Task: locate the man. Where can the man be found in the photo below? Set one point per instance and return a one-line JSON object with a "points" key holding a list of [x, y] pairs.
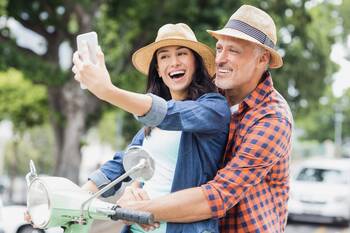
{"points": [[250, 192]]}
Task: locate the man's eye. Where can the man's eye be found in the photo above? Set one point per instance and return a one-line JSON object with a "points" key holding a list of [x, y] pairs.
{"points": [[218, 49], [234, 51], [182, 53]]}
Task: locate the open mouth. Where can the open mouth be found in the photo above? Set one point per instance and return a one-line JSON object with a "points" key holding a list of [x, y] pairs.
{"points": [[177, 74]]}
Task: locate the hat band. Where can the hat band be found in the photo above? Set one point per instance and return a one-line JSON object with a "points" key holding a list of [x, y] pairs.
{"points": [[250, 31]]}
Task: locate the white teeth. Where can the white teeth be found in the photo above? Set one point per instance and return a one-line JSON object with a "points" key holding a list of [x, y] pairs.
{"points": [[223, 71], [177, 72]]}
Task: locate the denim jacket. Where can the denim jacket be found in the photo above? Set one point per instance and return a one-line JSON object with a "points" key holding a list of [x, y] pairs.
{"points": [[205, 125]]}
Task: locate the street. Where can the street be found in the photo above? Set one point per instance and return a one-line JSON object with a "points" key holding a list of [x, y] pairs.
{"points": [[297, 227]]}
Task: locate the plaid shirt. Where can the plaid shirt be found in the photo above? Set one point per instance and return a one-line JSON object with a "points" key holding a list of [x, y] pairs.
{"points": [[250, 193]]}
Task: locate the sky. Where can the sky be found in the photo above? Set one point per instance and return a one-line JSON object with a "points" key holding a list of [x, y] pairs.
{"points": [[341, 78]]}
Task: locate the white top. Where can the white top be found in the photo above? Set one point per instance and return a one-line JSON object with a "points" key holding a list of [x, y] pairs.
{"points": [[163, 145], [234, 108]]}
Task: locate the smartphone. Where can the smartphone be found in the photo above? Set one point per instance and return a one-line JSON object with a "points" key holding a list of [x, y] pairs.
{"points": [[91, 39], [92, 43]]}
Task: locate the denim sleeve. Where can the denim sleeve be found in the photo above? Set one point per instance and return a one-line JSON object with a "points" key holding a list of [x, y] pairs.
{"points": [[156, 114], [209, 113], [112, 169]]}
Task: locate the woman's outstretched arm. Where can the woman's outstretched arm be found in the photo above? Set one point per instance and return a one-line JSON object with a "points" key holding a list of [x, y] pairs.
{"points": [[97, 80]]}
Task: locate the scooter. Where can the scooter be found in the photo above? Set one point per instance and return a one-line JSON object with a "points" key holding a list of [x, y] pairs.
{"points": [[58, 202]]}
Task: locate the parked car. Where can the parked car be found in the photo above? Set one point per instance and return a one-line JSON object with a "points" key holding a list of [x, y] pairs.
{"points": [[320, 192], [1, 220]]}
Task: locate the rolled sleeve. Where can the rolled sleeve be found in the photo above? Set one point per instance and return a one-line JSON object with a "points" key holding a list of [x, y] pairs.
{"points": [[214, 199], [99, 178], [156, 114]]}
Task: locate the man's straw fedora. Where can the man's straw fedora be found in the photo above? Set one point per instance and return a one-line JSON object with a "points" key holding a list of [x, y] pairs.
{"points": [[252, 24], [174, 34]]}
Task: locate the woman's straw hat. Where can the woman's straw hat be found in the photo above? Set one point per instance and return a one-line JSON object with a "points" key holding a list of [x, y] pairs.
{"points": [[252, 24], [174, 34]]}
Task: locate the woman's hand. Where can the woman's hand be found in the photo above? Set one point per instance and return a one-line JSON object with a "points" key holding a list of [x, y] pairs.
{"points": [[94, 76], [28, 218]]}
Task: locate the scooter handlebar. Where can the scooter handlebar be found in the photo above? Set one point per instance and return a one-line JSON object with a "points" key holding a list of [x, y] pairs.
{"points": [[140, 217]]}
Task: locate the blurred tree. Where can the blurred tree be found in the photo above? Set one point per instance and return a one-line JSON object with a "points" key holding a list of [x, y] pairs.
{"points": [[320, 127], [319, 124], [124, 26], [306, 48], [22, 102], [25, 104], [35, 144], [54, 22]]}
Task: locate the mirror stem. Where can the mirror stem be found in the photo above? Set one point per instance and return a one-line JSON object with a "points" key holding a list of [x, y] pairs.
{"points": [[140, 165]]}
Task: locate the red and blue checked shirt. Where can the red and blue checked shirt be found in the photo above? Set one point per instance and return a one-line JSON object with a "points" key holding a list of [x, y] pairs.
{"points": [[250, 193]]}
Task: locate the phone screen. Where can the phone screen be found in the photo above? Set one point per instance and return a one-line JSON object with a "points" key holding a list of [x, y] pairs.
{"points": [[92, 43]]}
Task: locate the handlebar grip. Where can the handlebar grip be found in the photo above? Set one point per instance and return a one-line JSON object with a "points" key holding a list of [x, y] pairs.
{"points": [[140, 217]]}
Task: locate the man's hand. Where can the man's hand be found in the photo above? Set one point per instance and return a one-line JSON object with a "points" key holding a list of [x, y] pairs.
{"points": [[133, 193]]}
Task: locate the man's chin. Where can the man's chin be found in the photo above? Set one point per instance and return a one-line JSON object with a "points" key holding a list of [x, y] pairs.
{"points": [[221, 84]]}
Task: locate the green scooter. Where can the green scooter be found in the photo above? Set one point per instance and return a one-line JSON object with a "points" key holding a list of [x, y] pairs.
{"points": [[58, 202]]}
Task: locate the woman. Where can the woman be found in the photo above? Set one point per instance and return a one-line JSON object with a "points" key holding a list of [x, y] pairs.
{"points": [[186, 120]]}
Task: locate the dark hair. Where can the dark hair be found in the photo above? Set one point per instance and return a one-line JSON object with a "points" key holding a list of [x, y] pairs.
{"points": [[201, 82]]}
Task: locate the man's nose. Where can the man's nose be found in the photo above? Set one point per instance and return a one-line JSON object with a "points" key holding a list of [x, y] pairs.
{"points": [[221, 58]]}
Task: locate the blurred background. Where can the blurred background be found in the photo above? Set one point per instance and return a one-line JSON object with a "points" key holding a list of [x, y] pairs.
{"points": [[46, 117]]}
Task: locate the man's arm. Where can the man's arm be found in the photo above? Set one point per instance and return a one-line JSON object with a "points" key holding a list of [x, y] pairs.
{"points": [[259, 151], [187, 205]]}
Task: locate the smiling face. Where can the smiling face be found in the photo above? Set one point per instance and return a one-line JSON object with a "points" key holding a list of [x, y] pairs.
{"points": [[176, 66], [239, 66]]}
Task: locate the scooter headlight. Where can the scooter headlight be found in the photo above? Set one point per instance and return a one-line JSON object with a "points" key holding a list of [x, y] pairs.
{"points": [[38, 203]]}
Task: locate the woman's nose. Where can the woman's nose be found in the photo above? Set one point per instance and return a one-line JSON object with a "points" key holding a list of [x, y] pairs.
{"points": [[174, 61]]}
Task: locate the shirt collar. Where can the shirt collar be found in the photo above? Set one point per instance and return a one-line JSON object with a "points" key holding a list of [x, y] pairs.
{"points": [[264, 87]]}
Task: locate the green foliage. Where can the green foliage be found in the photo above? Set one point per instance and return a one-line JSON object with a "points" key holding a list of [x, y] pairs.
{"points": [[307, 55], [22, 102], [305, 37], [3, 4], [107, 129], [319, 124], [344, 12], [35, 144]]}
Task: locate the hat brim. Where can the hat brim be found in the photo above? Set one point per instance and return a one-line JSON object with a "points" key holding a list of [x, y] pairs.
{"points": [[141, 59], [276, 59]]}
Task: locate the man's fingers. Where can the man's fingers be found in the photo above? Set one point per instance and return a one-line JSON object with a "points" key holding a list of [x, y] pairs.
{"points": [[143, 194], [150, 227], [139, 194]]}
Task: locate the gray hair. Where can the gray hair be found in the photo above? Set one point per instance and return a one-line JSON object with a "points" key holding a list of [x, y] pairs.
{"points": [[259, 50]]}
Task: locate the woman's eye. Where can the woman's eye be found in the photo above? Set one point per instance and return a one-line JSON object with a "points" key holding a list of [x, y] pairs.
{"points": [[182, 53], [234, 51], [163, 57], [218, 49]]}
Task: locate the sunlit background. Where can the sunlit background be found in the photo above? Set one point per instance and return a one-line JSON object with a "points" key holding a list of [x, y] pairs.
{"points": [[46, 117]]}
